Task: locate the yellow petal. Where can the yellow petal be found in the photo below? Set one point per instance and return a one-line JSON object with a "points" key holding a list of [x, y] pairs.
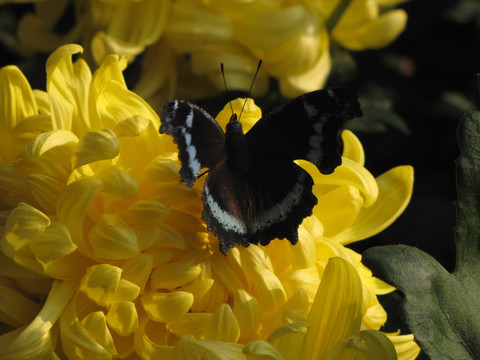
{"points": [[16, 309], [374, 34], [395, 190], [111, 238], [290, 340], [313, 77], [95, 325], [134, 126], [35, 242], [296, 308], [61, 86], [77, 342], [405, 346], [223, 325], [261, 350], [189, 348], [73, 205], [306, 279], [100, 283], [126, 291], [17, 97], [46, 191], [173, 275], [147, 212], [17, 103], [161, 169], [116, 103], [12, 180], [271, 293], [338, 209], [379, 345], [374, 284], [209, 27], [122, 318], [165, 307], [96, 146], [189, 324], [352, 147], [247, 312], [336, 312], [36, 340], [231, 279], [54, 146], [137, 270], [250, 115]]}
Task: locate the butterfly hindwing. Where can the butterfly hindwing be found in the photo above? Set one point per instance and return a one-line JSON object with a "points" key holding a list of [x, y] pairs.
{"points": [[307, 127], [271, 202], [199, 138]]}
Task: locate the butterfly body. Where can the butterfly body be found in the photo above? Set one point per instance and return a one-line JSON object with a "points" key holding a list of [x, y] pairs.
{"points": [[254, 192]]}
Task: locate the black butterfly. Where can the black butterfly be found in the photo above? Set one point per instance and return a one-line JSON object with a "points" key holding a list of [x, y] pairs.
{"points": [[254, 191]]}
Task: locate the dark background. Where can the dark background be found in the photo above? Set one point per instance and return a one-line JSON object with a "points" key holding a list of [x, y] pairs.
{"points": [[428, 77]]}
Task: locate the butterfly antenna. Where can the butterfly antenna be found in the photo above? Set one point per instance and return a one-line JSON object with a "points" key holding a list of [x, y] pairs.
{"points": [[225, 83], [251, 86]]}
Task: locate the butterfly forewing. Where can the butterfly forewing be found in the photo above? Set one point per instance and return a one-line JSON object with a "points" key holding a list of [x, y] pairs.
{"points": [[307, 127], [199, 138]]}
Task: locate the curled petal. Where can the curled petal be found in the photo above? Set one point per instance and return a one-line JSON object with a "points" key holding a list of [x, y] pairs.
{"points": [[55, 147], [100, 283], [96, 146], [95, 325], [36, 243], [374, 34], [62, 79], [165, 307], [122, 318], [352, 147], [405, 346], [395, 190], [77, 342], [174, 275]]}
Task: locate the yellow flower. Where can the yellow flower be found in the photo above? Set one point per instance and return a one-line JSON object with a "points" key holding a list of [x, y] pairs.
{"points": [[104, 253], [294, 43]]}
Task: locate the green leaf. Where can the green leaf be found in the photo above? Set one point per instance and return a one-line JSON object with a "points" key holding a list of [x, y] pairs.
{"points": [[443, 309]]}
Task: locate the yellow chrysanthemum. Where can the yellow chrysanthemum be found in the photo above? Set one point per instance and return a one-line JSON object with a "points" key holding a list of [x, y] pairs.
{"points": [[104, 253], [292, 37]]}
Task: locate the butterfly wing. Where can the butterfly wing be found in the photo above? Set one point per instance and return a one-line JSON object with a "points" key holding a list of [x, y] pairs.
{"points": [[270, 202], [199, 138], [307, 127]]}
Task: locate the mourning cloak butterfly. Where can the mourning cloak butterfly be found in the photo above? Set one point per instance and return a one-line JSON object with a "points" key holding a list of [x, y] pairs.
{"points": [[254, 191]]}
